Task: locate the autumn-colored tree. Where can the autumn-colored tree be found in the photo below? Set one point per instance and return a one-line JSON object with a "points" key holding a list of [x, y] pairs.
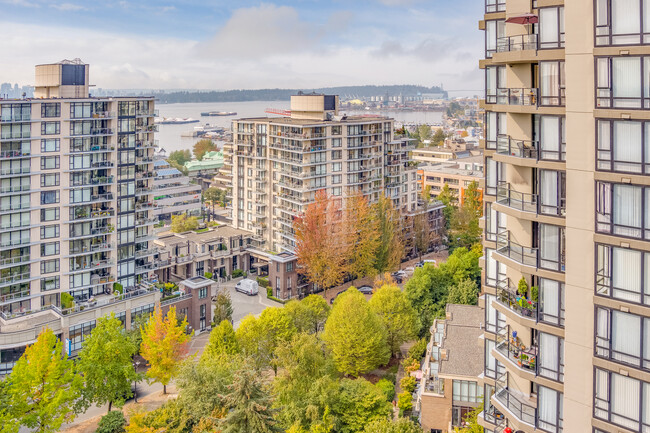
{"points": [[362, 236], [320, 241], [421, 235], [202, 147], [164, 345], [42, 388], [390, 248], [381, 280]]}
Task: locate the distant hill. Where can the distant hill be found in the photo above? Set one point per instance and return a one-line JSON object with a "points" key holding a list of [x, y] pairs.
{"points": [[285, 94]]}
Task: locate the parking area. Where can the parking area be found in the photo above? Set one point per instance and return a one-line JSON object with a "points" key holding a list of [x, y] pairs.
{"points": [[243, 305]]}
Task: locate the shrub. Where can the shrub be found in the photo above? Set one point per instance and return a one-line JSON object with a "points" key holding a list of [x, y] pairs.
{"points": [[388, 388], [522, 287], [238, 273], [208, 275], [263, 282], [404, 401], [534, 293], [419, 349], [411, 365], [112, 422], [407, 384], [117, 287], [269, 292], [67, 300]]}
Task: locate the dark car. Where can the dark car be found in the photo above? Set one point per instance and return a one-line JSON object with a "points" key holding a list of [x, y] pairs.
{"points": [[366, 290], [335, 296]]}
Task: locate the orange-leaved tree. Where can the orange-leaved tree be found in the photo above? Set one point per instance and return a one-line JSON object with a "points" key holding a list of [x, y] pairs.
{"points": [[164, 345], [362, 236], [321, 242]]}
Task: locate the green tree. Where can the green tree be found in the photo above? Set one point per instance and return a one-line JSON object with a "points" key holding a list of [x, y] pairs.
{"points": [[202, 147], [259, 337], [248, 404], [422, 236], [401, 425], [309, 314], [464, 225], [438, 138], [222, 306], [355, 335], [169, 418], [471, 420], [105, 364], [464, 292], [183, 223], [178, 167], [405, 401], [112, 422], [135, 333], [358, 403], [215, 196], [390, 249], [8, 421], [43, 388], [305, 366], [164, 345], [223, 342], [387, 387], [180, 157], [400, 319]]}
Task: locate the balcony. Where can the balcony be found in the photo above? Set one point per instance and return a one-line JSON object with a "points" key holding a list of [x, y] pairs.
{"points": [[13, 154], [528, 256], [511, 346], [93, 181], [14, 297], [9, 261], [83, 214], [14, 170], [508, 297], [16, 117], [525, 202], [102, 301], [528, 149], [524, 409], [92, 132], [521, 96], [92, 265], [14, 278], [90, 249], [517, 43]]}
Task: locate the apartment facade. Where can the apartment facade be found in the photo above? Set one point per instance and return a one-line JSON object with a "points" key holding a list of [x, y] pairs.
{"points": [[279, 163], [173, 193], [76, 209], [566, 210], [457, 175]]}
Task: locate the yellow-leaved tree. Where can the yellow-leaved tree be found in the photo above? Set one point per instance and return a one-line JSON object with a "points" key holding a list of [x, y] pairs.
{"points": [[164, 345]]}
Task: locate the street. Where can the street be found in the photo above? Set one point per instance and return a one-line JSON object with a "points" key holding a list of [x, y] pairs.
{"points": [[244, 305]]}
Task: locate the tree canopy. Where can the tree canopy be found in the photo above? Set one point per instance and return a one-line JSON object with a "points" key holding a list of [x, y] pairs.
{"points": [[202, 147], [399, 318], [183, 223]]}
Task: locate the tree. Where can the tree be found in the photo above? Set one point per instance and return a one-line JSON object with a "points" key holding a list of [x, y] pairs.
{"points": [[135, 333], [8, 421], [471, 422], [248, 405], [465, 230], [180, 157], [401, 425], [358, 403], [43, 388], [169, 418], [223, 342], [222, 306], [259, 337], [355, 335], [404, 401], [202, 147], [215, 195], [320, 241], [390, 248], [438, 138], [112, 422], [421, 235], [105, 364], [178, 167], [399, 318], [362, 236], [309, 314], [464, 292], [182, 223], [164, 345]]}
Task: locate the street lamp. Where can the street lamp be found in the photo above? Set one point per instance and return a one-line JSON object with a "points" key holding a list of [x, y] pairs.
{"points": [[135, 382]]}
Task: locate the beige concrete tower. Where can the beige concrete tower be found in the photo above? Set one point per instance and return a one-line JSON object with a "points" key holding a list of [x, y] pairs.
{"points": [[567, 217]]}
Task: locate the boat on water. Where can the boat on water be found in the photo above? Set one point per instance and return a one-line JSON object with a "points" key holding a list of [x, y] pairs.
{"points": [[175, 120], [218, 113]]}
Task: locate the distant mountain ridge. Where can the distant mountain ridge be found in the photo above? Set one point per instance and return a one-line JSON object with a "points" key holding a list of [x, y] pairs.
{"points": [[284, 94]]}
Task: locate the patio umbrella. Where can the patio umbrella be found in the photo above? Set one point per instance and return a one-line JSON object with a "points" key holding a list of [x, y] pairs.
{"points": [[524, 19]]}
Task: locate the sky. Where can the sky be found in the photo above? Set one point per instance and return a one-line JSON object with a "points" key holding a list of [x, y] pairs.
{"points": [[242, 44]]}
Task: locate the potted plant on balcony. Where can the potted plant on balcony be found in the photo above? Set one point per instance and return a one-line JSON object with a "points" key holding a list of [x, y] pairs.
{"points": [[534, 293], [522, 287], [523, 360]]}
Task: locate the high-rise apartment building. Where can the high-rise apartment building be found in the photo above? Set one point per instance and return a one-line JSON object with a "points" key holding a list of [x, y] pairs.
{"points": [[567, 216], [279, 163], [75, 209]]}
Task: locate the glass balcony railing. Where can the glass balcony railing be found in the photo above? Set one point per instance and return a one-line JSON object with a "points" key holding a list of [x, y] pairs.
{"points": [[517, 43], [529, 149], [525, 202], [507, 296], [522, 408]]}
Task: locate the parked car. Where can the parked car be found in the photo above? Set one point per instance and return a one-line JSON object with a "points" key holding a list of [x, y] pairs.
{"points": [[248, 287], [366, 290], [398, 276], [433, 262], [336, 296]]}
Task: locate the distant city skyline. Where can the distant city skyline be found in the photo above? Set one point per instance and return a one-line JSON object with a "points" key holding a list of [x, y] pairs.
{"points": [[187, 44]]}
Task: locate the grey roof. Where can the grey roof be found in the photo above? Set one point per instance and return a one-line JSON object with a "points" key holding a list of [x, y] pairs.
{"points": [[160, 163], [167, 172], [463, 328]]}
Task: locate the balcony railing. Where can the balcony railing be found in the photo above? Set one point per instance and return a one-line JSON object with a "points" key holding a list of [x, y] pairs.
{"points": [[528, 149], [518, 253], [522, 411], [507, 296], [517, 43], [12, 297], [523, 96], [516, 352], [526, 202], [14, 260], [7, 154]]}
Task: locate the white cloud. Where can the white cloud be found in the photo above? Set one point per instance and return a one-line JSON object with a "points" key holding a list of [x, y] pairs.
{"points": [[68, 7]]}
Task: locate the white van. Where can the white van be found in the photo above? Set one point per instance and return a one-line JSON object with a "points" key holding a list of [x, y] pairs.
{"points": [[249, 287]]}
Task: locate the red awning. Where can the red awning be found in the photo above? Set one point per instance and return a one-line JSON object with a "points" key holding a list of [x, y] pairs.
{"points": [[524, 19]]}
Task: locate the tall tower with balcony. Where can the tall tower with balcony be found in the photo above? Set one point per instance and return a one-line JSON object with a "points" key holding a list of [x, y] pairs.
{"points": [[567, 222], [75, 209]]}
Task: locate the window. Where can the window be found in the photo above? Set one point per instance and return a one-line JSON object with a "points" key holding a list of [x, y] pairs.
{"points": [[550, 137], [623, 337], [138, 311], [336, 154], [49, 249], [50, 128], [494, 30], [490, 361], [493, 321], [495, 127], [552, 192], [49, 197], [50, 145], [490, 268], [551, 247], [551, 27], [621, 273], [337, 166], [50, 283], [495, 222], [203, 293], [495, 6], [49, 162], [550, 410], [289, 267], [464, 390], [48, 232], [51, 109], [336, 191], [622, 22], [79, 333], [552, 83], [623, 82], [51, 214], [622, 210], [622, 400], [551, 357], [551, 302], [49, 266], [50, 179], [494, 173], [623, 146]]}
